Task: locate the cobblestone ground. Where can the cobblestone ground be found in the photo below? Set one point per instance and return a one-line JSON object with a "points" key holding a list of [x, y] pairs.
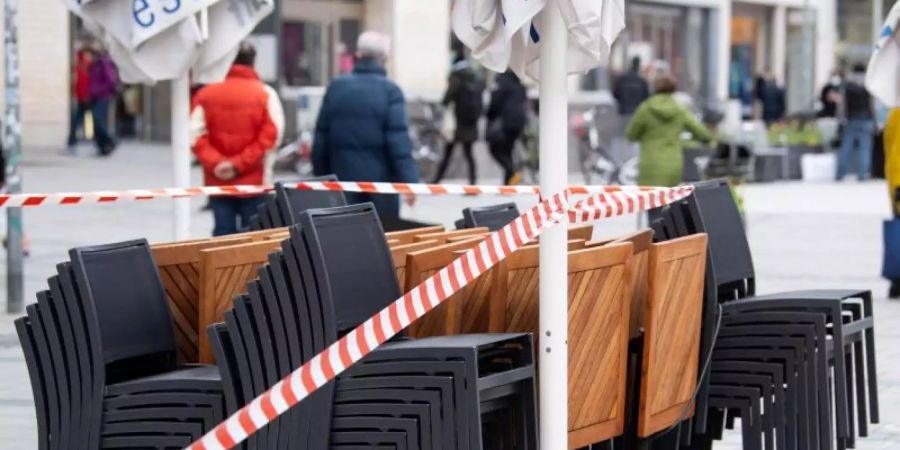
{"points": [[803, 236]]}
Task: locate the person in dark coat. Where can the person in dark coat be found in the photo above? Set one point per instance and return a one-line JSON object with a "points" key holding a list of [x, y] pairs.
{"points": [[772, 98], [830, 96], [465, 89], [506, 122], [630, 90], [859, 126], [362, 131]]}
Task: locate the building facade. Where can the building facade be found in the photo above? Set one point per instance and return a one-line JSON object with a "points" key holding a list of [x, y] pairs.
{"points": [[713, 47]]}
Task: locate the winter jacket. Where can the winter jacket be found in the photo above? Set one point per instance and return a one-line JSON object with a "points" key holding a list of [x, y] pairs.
{"points": [[103, 78], [81, 78], [630, 90], [362, 132], [772, 98], [508, 102], [658, 125], [857, 102], [239, 119], [892, 157], [465, 90]]}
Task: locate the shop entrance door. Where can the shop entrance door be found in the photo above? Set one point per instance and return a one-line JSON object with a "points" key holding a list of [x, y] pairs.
{"points": [[319, 40]]}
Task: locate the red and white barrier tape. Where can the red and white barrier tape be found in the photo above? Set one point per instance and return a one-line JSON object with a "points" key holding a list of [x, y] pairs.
{"points": [[325, 366], [80, 198]]}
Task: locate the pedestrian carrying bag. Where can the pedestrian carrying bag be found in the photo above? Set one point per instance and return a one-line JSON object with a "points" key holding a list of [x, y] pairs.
{"points": [[890, 268]]}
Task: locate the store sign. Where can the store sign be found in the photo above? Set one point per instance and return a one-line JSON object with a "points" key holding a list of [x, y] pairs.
{"points": [[151, 17]]}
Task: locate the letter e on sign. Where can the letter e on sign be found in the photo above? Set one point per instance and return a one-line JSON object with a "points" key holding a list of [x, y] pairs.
{"points": [[142, 13]]}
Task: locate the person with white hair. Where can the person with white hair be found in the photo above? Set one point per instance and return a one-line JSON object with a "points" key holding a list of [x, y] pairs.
{"points": [[362, 130]]}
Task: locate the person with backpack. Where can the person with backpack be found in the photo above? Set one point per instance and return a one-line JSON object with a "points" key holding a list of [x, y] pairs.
{"points": [[506, 122], [465, 90], [103, 81]]}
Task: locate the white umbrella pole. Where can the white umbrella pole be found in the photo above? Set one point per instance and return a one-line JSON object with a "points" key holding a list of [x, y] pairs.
{"points": [[181, 154], [554, 263]]}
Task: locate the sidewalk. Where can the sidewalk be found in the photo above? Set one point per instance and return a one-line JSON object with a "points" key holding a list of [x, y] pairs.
{"points": [[802, 236]]}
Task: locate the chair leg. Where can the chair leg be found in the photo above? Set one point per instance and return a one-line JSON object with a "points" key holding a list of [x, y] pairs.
{"points": [[862, 409], [848, 361], [872, 373]]}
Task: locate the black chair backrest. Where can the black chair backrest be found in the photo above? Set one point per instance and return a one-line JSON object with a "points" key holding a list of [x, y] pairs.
{"points": [[492, 217], [263, 216], [125, 300], [293, 202], [716, 214], [352, 261]]}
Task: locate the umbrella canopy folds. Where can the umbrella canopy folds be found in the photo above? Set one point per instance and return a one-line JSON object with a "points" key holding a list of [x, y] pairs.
{"points": [[883, 74], [507, 33], [153, 40]]}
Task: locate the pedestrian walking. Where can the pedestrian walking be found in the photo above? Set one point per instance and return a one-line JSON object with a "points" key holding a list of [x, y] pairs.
{"points": [[771, 96], [891, 269], [233, 125], [362, 133], [103, 82], [630, 90], [84, 58], [658, 125], [506, 122], [465, 91], [830, 96], [859, 126]]}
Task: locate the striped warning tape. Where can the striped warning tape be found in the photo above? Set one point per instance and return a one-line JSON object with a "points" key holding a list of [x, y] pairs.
{"points": [[80, 198], [325, 366]]}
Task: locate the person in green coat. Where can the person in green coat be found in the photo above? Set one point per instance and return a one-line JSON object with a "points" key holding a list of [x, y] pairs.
{"points": [[658, 125]]}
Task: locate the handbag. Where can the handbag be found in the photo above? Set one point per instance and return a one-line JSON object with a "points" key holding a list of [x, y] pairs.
{"points": [[890, 267]]}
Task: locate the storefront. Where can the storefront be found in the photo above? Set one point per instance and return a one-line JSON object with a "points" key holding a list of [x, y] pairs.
{"points": [[788, 39], [666, 38], [858, 25]]}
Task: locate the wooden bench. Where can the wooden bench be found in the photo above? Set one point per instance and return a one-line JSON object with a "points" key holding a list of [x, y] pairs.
{"points": [[445, 319], [224, 273], [599, 296], [408, 236], [446, 236], [672, 324], [179, 268], [638, 266], [399, 252]]}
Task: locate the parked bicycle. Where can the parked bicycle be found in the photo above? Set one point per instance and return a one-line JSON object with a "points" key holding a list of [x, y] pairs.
{"points": [[597, 163], [425, 124]]}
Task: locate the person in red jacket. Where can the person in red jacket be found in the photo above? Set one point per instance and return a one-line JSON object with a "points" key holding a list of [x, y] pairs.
{"points": [[81, 93], [233, 125]]}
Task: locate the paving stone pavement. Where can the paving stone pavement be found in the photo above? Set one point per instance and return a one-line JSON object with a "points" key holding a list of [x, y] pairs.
{"points": [[802, 236]]}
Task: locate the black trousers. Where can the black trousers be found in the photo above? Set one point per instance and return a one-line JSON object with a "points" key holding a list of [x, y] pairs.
{"points": [[502, 151], [448, 155]]}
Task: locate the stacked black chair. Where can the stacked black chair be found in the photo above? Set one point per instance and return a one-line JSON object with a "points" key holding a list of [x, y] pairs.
{"points": [[101, 354], [492, 217], [834, 329], [464, 392], [283, 207]]}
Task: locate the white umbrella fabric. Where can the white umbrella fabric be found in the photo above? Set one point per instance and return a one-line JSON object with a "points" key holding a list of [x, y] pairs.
{"points": [[507, 33], [545, 40], [154, 40], [883, 74]]}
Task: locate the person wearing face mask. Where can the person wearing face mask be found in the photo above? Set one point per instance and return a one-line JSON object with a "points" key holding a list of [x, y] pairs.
{"points": [[830, 97]]}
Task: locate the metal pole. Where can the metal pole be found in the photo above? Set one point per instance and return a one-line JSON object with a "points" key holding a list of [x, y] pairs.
{"points": [[809, 47], [12, 141], [554, 321], [181, 154]]}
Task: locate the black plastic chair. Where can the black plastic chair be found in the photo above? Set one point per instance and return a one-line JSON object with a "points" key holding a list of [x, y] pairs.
{"points": [[117, 318], [492, 217], [292, 202], [712, 210]]}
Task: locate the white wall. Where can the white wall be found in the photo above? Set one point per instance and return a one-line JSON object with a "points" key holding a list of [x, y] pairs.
{"points": [[420, 42], [44, 72]]}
